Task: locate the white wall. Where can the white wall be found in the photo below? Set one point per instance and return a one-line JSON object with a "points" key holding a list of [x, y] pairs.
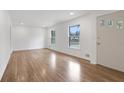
{"points": [[87, 36], [5, 49], [25, 38]]}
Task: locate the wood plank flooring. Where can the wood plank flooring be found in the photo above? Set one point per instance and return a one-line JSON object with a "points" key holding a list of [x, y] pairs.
{"points": [[45, 65]]}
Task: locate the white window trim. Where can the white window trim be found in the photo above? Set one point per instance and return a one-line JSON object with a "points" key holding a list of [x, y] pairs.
{"points": [[68, 38], [51, 37]]}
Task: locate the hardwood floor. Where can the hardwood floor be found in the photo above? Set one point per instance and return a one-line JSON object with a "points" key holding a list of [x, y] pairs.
{"points": [[45, 65]]}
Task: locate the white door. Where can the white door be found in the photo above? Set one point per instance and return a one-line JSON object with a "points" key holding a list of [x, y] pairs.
{"points": [[110, 40]]}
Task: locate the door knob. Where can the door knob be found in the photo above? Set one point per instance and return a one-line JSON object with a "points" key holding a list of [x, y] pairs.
{"points": [[98, 43]]}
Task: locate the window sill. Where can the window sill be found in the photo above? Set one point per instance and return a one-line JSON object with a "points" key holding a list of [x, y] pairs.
{"points": [[74, 48]]}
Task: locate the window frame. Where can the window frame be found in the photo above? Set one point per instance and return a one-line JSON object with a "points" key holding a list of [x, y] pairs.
{"points": [[69, 37], [51, 45]]}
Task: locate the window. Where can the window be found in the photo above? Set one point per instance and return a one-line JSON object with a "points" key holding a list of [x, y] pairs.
{"points": [[52, 38], [74, 36]]}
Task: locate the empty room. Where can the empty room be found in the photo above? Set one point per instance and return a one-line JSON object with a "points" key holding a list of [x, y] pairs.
{"points": [[61, 45]]}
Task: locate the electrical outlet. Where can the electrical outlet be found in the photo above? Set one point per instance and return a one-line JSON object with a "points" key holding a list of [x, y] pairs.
{"points": [[87, 55]]}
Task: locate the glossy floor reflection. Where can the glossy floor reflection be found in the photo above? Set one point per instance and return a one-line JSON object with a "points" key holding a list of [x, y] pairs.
{"points": [[74, 71], [45, 65]]}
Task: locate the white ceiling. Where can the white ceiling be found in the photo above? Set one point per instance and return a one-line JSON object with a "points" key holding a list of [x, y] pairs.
{"points": [[39, 18], [43, 17]]}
